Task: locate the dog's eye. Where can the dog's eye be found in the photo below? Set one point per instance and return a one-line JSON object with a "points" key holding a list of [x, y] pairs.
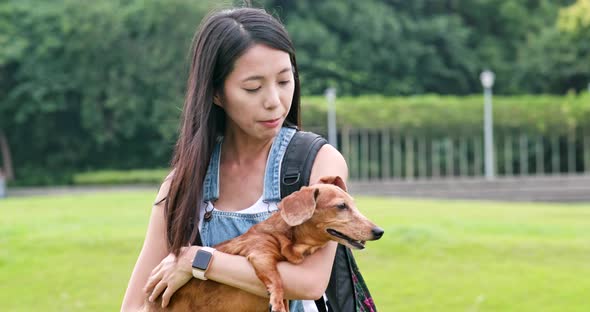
{"points": [[342, 206]]}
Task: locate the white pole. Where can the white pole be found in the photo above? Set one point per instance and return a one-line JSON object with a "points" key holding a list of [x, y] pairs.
{"points": [[487, 80], [331, 98], [2, 185], [488, 135]]}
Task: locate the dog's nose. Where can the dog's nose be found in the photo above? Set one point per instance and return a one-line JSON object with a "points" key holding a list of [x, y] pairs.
{"points": [[377, 232]]}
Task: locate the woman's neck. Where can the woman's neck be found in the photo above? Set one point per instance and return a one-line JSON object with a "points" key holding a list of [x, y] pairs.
{"points": [[241, 149]]}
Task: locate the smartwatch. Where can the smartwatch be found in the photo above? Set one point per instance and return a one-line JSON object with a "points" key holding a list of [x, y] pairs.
{"points": [[202, 261]]}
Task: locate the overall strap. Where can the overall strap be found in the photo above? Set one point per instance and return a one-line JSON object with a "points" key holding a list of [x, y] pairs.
{"points": [[271, 191], [298, 160]]}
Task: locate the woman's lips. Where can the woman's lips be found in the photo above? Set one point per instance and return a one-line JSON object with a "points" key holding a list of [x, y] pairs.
{"points": [[272, 123]]}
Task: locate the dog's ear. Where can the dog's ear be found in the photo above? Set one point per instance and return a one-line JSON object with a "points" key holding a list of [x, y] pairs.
{"points": [[299, 206], [336, 180]]}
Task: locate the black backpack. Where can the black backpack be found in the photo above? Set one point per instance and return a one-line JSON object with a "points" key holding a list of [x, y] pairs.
{"points": [[347, 291]]}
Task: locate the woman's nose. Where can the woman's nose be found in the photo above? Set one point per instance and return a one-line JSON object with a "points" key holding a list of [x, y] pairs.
{"points": [[273, 99]]}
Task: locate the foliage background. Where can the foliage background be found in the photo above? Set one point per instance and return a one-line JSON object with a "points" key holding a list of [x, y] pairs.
{"points": [[99, 85]]}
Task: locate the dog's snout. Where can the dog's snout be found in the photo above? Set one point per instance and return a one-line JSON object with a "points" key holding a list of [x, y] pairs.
{"points": [[377, 232]]}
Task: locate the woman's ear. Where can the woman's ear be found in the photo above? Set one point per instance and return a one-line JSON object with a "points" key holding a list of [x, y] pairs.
{"points": [[217, 100]]}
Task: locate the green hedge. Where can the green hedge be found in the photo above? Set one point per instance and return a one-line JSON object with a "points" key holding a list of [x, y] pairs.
{"points": [[444, 115], [428, 114], [110, 177], [541, 114]]}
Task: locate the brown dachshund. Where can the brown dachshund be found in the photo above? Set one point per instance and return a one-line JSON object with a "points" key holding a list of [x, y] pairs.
{"points": [[306, 221]]}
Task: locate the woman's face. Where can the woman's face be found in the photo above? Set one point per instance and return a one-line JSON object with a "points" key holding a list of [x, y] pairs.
{"points": [[258, 92]]}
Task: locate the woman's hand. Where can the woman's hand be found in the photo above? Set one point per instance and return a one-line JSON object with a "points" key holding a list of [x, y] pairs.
{"points": [[170, 275]]}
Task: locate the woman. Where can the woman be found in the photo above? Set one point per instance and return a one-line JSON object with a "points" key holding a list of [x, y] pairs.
{"points": [[242, 94]]}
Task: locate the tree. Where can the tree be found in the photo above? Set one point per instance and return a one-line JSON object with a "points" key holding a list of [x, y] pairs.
{"points": [[557, 59], [93, 85], [411, 47], [374, 47], [575, 19]]}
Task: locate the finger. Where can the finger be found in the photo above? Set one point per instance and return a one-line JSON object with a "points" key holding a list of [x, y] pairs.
{"points": [[158, 290], [152, 281], [170, 290], [156, 269]]}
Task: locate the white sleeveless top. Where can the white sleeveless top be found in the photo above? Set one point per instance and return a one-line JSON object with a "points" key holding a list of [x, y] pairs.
{"points": [[257, 207]]}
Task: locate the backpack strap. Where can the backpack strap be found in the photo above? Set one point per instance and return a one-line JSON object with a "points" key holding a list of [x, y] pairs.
{"points": [[296, 170], [346, 289], [298, 160]]}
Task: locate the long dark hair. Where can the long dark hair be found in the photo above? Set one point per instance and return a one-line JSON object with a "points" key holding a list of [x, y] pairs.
{"points": [[221, 38]]}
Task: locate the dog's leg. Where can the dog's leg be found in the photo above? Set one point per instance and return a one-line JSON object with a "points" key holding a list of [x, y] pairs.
{"points": [[290, 252], [266, 270], [295, 253]]}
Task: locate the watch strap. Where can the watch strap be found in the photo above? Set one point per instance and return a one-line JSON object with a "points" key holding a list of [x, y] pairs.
{"points": [[198, 272]]}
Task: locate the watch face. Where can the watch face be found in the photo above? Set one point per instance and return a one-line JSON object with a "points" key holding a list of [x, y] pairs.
{"points": [[202, 260]]}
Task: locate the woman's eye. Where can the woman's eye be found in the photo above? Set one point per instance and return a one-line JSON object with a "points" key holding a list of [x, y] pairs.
{"points": [[284, 82], [252, 90]]}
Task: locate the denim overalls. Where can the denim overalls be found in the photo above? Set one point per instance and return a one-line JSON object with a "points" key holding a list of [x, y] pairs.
{"points": [[227, 225]]}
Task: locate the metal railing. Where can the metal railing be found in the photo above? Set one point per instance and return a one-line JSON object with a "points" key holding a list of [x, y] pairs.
{"points": [[383, 154]]}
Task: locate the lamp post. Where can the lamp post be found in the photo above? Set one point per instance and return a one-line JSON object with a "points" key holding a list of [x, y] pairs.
{"points": [[2, 185], [331, 98], [487, 81]]}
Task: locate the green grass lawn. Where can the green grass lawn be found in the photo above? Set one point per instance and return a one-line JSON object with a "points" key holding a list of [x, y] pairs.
{"points": [[76, 253]]}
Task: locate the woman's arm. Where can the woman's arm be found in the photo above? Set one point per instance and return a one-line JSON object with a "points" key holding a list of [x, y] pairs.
{"points": [[307, 280], [153, 251]]}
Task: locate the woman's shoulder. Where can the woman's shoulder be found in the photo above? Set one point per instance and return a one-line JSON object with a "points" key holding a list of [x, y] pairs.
{"points": [[328, 162], [164, 189]]}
